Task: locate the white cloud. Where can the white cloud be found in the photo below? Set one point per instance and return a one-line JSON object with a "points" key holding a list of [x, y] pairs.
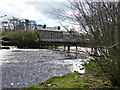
{"points": [[23, 9]]}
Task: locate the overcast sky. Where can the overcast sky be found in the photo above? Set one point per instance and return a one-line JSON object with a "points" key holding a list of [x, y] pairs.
{"points": [[30, 9]]}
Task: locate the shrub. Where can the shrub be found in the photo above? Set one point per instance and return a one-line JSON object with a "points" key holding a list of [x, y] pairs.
{"points": [[22, 38]]}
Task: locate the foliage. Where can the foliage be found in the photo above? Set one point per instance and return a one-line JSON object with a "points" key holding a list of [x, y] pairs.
{"points": [[96, 68], [1, 33], [22, 38], [17, 24]]}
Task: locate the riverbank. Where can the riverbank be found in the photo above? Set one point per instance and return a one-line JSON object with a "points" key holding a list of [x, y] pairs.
{"points": [[74, 80]]}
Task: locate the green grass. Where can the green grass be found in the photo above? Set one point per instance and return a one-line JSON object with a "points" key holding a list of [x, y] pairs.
{"points": [[73, 80], [70, 80]]}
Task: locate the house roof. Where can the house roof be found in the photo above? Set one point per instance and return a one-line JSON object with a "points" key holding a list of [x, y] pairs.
{"points": [[40, 27]]}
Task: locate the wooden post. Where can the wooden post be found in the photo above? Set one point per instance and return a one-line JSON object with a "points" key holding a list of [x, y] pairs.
{"points": [[68, 49]]}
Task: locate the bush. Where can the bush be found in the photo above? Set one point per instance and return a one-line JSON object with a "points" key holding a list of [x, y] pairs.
{"points": [[23, 38], [107, 68]]}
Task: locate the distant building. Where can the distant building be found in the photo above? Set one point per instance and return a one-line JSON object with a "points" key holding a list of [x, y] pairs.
{"points": [[54, 34], [49, 33]]}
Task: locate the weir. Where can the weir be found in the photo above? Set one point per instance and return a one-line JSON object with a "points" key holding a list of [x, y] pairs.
{"points": [[8, 47]]}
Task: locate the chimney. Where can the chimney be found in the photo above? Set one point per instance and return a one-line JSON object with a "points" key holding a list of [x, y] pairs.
{"points": [[58, 27], [44, 26]]}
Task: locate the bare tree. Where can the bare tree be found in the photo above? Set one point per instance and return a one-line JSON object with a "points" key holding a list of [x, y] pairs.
{"points": [[100, 20], [17, 24]]}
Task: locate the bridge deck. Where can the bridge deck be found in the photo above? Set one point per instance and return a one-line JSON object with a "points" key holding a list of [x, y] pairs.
{"points": [[63, 43]]}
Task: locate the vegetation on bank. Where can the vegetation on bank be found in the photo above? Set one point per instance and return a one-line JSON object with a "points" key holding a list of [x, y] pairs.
{"points": [[0, 37], [74, 80], [22, 38], [1, 32]]}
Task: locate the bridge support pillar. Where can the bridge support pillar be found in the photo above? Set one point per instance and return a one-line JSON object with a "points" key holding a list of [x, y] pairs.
{"points": [[68, 49], [64, 48], [56, 47], [76, 49]]}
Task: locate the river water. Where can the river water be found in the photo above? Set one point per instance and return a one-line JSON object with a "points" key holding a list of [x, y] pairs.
{"points": [[25, 67]]}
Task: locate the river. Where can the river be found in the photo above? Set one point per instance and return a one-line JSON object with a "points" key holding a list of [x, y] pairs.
{"points": [[25, 67]]}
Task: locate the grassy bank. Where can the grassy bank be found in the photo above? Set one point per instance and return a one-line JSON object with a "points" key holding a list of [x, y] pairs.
{"points": [[73, 80]]}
